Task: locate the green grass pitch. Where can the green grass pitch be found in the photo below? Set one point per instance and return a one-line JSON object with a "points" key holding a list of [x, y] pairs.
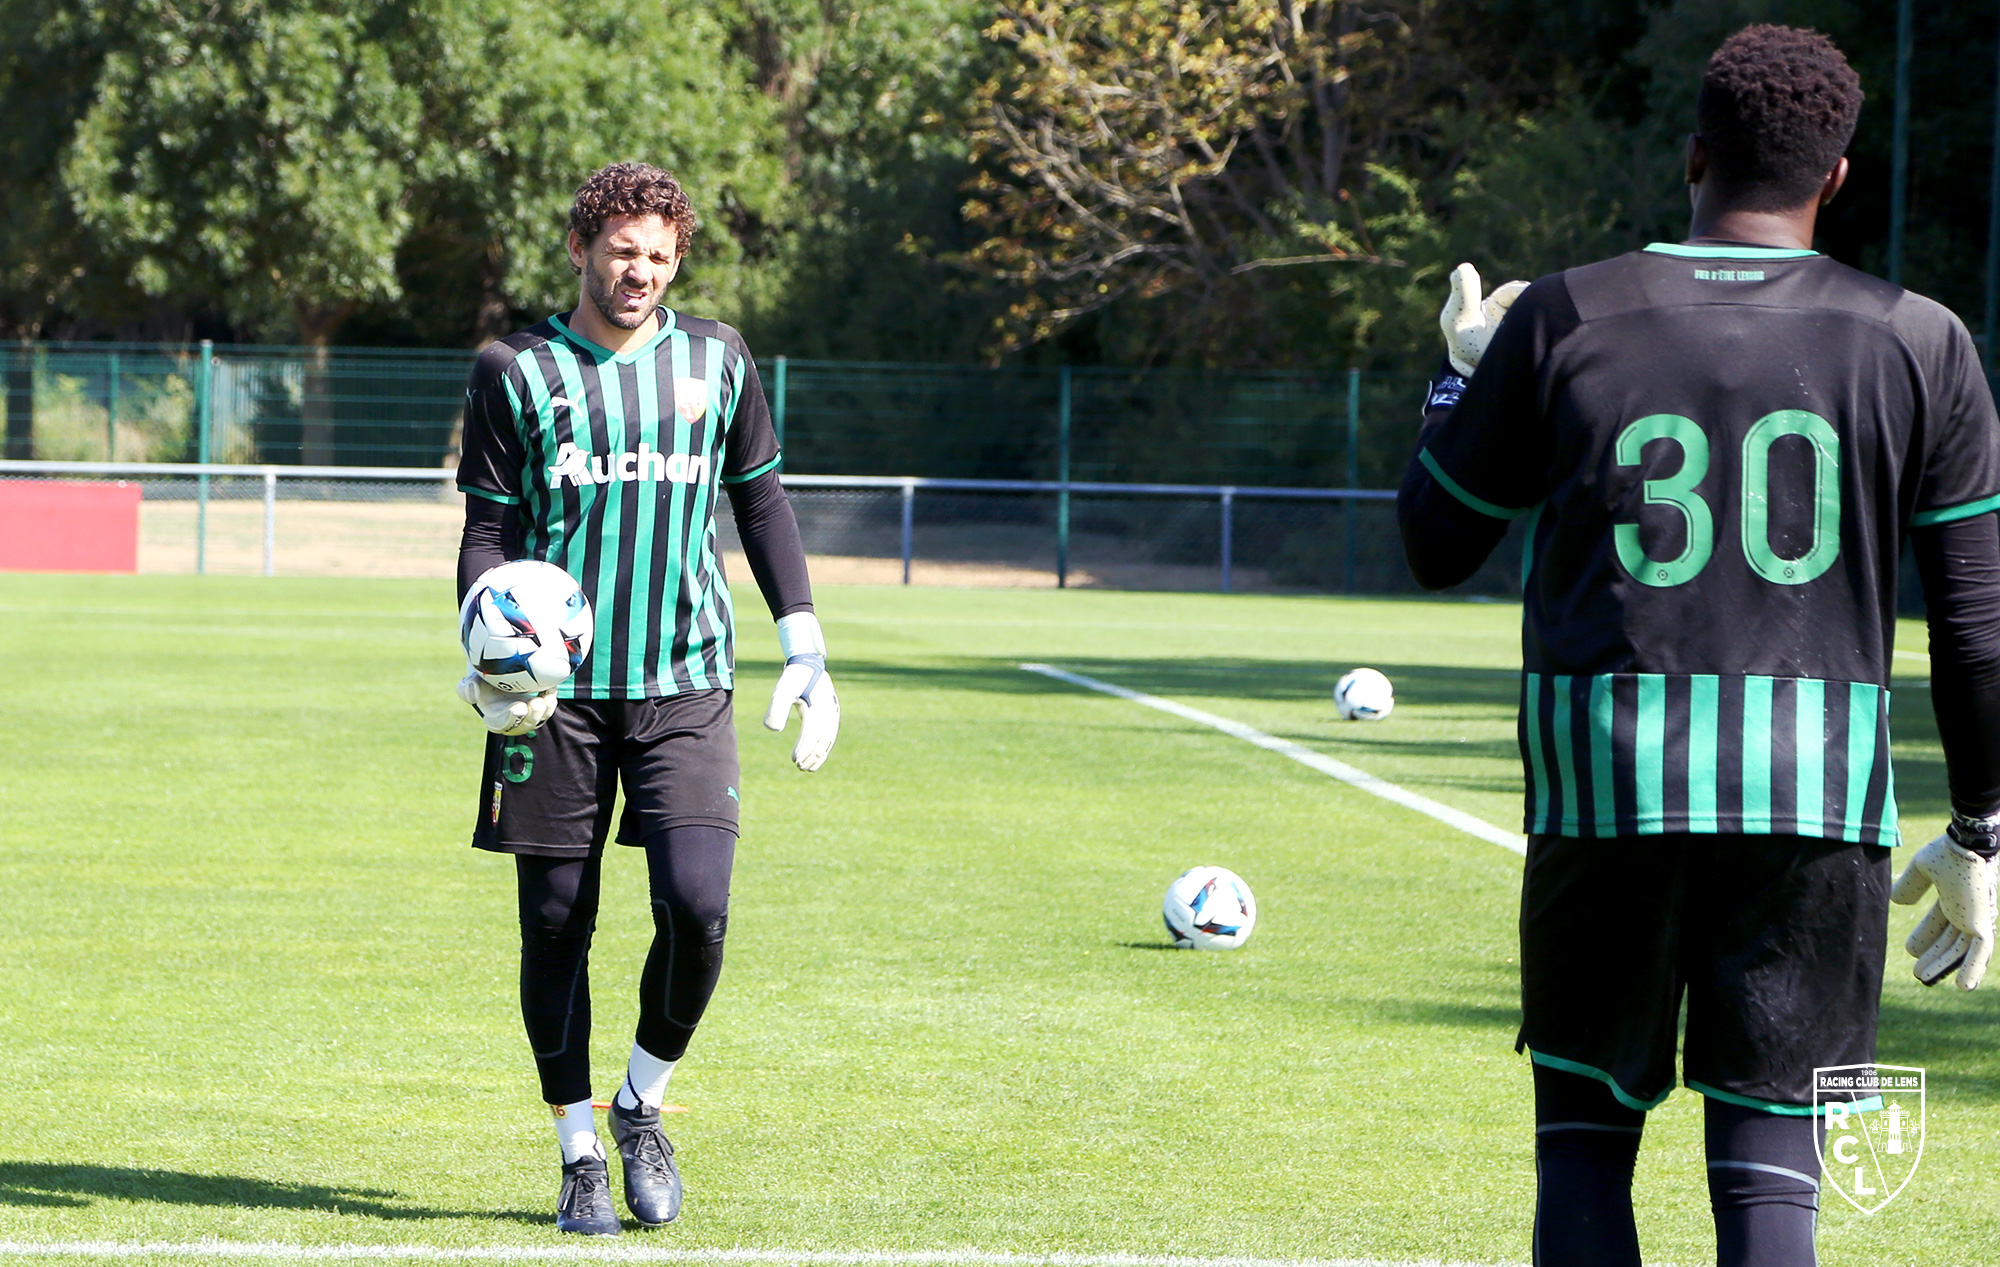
{"points": [[255, 987]]}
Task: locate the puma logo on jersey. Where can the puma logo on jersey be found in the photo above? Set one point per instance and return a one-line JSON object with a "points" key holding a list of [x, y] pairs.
{"points": [[560, 402], [648, 465]]}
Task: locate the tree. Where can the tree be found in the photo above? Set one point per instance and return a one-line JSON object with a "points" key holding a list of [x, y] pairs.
{"points": [[255, 154], [294, 162], [874, 103], [50, 54], [522, 101], [1145, 148]]}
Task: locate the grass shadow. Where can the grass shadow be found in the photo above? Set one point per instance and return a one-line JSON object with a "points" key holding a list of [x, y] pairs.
{"points": [[1920, 775], [1214, 677], [1461, 1015], [1952, 1039], [49, 1184], [1482, 692]]}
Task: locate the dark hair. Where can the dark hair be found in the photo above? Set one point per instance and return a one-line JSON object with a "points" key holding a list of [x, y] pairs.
{"points": [[632, 189], [1777, 108]]}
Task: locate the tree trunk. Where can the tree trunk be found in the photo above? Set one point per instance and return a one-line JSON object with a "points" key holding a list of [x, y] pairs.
{"points": [[494, 314], [21, 402], [316, 405]]}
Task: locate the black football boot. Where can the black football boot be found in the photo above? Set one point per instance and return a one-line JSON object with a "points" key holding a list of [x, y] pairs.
{"points": [[584, 1205], [652, 1183]]}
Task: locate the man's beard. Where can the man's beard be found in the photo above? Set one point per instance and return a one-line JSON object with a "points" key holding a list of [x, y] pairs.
{"points": [[604, 293]]}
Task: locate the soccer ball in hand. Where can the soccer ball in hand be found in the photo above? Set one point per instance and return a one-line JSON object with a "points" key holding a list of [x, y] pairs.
{"points": [[526, 626], [1363, 695], [1209, 908]]}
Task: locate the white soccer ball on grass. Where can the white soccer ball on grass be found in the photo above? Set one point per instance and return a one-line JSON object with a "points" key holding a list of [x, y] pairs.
{"points": [[1363, 695], [526, 626], [1209, 908]]}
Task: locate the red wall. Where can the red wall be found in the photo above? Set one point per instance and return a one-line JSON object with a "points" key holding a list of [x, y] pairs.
{"points": [[68, 526]]}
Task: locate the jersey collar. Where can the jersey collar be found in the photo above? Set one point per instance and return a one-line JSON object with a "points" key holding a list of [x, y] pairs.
{"points": [[1684, 251], [602, 353]]}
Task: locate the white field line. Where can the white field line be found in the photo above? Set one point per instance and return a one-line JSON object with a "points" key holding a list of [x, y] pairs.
{"points": [[278, 1251], [1915, 655], [1347, 774]]}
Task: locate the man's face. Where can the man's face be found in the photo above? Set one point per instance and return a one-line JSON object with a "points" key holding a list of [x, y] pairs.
{"points": [[627, 267]]}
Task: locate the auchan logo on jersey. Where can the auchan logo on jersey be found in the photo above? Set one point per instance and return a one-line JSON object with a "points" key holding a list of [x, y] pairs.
{"points": [[648, 465]]}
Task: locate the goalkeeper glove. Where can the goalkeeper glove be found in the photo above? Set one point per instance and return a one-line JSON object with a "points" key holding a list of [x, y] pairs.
{"points": [[505, 713], [805, 686], [1467, 322], [1958, 931]]}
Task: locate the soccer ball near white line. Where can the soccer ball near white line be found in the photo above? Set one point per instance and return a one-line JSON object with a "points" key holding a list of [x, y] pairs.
{"points": [[1209, 908], [1363, 695], [526, 626]]}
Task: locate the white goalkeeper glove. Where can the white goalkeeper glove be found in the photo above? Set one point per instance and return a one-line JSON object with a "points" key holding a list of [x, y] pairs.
{"points": [[505, 713], [1958, 931], [805, 686], [1469, 323]]}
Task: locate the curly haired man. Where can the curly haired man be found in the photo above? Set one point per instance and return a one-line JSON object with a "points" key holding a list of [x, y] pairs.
{"points": [[598, 440]]}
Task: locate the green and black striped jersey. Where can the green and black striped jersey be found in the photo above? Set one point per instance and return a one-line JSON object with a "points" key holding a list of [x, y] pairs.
{"points": [[615, 460], [1719, 451]]}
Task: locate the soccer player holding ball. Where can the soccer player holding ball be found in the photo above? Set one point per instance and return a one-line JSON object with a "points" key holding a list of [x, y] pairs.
{"points": [[598, 441], [1720, 447]]}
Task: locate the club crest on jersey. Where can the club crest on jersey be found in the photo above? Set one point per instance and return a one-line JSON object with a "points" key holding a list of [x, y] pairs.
{"points": [[648, 466], [691, 399]]}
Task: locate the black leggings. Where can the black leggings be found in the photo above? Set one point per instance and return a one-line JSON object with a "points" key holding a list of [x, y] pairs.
{"points": [[1763, 1179], [688, 871]]}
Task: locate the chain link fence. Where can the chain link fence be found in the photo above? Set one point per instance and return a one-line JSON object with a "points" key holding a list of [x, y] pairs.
{"points": [[335, 462], [383, 522], [403, 408], [233, 404]]}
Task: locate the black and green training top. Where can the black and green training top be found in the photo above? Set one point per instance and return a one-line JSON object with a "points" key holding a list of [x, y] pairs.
{"points": [[615, 461], [1718, 450]]}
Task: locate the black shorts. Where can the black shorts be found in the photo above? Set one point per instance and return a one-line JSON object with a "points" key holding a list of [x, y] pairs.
{"points": [[1776, 941], [550, 792]]}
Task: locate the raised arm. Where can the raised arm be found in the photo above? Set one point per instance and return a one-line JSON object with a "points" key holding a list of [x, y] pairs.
{"points": [[1481, 456]]}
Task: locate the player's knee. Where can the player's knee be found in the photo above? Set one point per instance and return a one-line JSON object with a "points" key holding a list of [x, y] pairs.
{"points": [[556, 933], [702, 916], [1734, 1185], [1757, 1158], [1609, 1151]]}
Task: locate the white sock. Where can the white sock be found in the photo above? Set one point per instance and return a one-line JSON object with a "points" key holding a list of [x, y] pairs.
{"points": [[576, 1131], [645, 1080]]}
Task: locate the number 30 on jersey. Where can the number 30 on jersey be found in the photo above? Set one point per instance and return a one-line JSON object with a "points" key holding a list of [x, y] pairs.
{"points": [[1677, 490]]}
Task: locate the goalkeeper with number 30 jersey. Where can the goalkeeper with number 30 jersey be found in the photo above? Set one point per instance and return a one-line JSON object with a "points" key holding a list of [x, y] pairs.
{"points": [[599, 440], [1718, 449]]}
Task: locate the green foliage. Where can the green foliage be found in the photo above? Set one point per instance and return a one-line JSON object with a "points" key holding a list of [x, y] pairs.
{"points": [[875, 103], [50, 54], [522, 101], [1141, 149], [292, 163], [1253, 183], [1538, 193], [153, 422], [255, 156]]}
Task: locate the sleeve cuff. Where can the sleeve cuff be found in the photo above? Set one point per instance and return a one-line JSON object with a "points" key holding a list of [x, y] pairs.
{"points": [[505, 499], [746, 476], [1948, 514], [1451, 486]]}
